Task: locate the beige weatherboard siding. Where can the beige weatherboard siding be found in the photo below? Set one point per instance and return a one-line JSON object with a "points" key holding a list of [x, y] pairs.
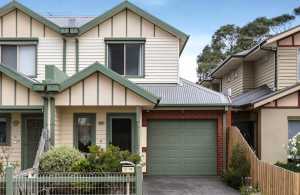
{"points": [[17, 24], [14, 93], [248, 80], [98, 89], [233, 80], [287, 66], [161, 48], [264, 71]]}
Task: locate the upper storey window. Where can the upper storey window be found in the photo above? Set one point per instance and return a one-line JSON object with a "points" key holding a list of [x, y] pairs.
{"points": [[126, 58], [21, 58]]}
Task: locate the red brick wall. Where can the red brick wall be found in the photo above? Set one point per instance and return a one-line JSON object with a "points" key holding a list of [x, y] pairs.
{"points": [[193, 114]]}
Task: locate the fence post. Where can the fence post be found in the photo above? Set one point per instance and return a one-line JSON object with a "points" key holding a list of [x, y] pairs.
{"points": [[138, 180], [9, 171]]}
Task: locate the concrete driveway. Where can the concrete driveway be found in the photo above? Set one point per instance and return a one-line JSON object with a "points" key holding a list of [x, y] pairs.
{"points": [[163, 185]]}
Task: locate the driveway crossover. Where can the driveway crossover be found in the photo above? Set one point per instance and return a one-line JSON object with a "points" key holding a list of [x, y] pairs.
{"points": [[167, 185]]}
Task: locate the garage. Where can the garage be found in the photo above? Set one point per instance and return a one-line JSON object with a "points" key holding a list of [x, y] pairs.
{"points": [[182, 147]]}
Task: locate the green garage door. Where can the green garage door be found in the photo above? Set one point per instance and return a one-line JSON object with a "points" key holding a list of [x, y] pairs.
{"points": [[182, 147]]}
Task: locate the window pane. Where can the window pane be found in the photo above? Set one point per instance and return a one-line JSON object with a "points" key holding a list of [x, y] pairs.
{"points": [[27, 60], [3, 130], [86, 128], [9, 56], [116, 57], [133, 59], [294, 128]]}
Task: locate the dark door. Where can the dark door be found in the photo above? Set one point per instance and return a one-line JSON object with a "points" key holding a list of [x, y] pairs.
{"points": [[247, 130], [31, 133], [121, 131]]}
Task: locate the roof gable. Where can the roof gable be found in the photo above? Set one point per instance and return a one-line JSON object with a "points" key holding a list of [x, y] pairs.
{"points": [[96, 67], [283, 35], [127, 5], [276, 95], [16, 5], [27, 82]]}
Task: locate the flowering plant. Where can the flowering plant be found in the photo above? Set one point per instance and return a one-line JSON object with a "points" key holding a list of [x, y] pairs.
{"points": [[294, 147]]}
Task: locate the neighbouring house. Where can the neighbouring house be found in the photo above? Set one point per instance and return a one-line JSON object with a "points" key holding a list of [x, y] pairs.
{"points": [[263, 83], [110, 79]]}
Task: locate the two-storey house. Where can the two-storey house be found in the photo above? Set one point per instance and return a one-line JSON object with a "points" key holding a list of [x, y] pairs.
{"points": [[263, 83], [110, 79]]}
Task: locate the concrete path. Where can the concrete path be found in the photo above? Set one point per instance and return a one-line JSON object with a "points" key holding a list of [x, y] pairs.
{"points": [[163, 185]]}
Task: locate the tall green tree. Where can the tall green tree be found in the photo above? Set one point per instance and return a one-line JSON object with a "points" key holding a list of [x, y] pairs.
{"points": [[230, 39]]}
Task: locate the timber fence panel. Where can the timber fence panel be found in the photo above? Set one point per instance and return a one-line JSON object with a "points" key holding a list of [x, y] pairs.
{"points": [[271, 179]]}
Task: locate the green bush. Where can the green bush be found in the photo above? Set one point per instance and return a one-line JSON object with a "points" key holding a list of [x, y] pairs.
{"points": [[292, 166], [238, 169], [59, 159], [100, 160], [248, 190]]}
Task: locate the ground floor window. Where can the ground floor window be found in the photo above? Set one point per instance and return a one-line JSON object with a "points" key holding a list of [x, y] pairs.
{"points": [[294, 128], [5, 129], [84, 131]]}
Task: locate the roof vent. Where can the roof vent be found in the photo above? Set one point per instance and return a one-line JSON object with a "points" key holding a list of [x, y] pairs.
{"points": [[72, 22]]}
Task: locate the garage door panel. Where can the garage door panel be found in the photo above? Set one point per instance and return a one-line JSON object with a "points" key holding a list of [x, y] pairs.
{"points": [[186, 147]]}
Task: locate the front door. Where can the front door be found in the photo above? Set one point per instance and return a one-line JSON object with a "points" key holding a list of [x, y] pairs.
{"points": [[31, 133], [121, 128]]}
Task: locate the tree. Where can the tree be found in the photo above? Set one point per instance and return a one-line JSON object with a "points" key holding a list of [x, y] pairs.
{"points": [[297, 11], [225, 38], [209, 58], [230, 39]]}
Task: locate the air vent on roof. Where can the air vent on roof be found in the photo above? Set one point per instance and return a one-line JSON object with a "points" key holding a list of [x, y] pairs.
{"points": [[72, 22]]}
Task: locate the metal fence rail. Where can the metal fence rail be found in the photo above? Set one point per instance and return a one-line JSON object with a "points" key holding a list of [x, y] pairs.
{"points": [[74, 183]]}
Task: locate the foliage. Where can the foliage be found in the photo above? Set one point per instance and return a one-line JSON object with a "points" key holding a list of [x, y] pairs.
{"points": [[248, 190], [230, 39], [238, 169], [59, 159], [100, 160], [292, 166], [294, 147]]}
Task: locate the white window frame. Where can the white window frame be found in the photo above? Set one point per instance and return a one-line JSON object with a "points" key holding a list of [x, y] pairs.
{"points": [[18, 57], [142, 54]]}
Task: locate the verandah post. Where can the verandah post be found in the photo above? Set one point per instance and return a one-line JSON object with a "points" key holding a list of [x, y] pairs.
{"points": [[9, 171], [138, 180]]}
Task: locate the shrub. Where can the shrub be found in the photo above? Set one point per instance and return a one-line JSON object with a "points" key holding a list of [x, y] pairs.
{"points": [[292, 166], [100, 160], [238, 169], [59, 159], [294, 147], [249, 190]]}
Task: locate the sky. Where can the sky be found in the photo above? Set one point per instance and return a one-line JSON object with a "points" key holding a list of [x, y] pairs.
{"points": [[197, 18]]}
